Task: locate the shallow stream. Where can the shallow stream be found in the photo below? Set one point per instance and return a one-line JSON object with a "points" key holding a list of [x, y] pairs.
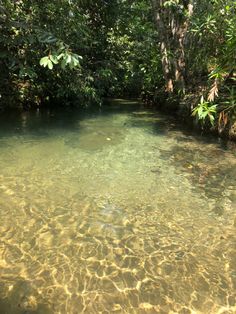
{"points": [[115, 210]]}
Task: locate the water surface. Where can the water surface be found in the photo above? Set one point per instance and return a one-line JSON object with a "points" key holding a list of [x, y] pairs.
{"points": [[115, 210]]}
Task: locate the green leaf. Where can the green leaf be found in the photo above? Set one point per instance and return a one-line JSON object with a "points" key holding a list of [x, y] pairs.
{"points": [[60, 56], [63, 64], [212, 119], [53, 58], [44, 61], [199, 111], [71, 65], [68, 58], [75, 61], [204, 114], [50, 64]]}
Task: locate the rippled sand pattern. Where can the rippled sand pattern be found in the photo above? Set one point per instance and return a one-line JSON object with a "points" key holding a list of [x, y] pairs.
{"points": [[114, 212]]}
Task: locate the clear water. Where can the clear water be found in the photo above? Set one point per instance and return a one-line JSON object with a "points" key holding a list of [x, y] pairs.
{"points": [[118, 210]]}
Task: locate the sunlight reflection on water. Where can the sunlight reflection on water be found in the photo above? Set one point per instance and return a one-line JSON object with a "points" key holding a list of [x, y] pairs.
{"points": [[116, 211]]}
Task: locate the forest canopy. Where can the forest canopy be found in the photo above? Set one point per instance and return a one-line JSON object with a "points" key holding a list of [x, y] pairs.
{"points": [[78, 52]]}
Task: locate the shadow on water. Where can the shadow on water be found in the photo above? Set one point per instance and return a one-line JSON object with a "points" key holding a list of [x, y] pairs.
{"points": [[206, 168], [190, 134], [149, 121], [22, 299], [40, 122]]}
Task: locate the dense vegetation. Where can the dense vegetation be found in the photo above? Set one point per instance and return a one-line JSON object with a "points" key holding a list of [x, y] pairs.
{"points": [[76, 51]]}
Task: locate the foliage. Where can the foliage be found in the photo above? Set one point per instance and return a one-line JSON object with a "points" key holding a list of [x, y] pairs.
{"points": [[76, 50], [80, 51], [205, 111], [214, 31]]}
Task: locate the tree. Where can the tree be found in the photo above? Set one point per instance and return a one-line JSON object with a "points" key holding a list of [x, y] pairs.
{"points": [[172, 22], [85, 50]]}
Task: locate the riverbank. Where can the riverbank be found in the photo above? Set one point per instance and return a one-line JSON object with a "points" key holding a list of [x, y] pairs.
{"points": [[182, 107]]}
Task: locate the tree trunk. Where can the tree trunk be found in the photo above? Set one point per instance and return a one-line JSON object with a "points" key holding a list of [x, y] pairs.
{"points": [[164, 39], [172, 29]]}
